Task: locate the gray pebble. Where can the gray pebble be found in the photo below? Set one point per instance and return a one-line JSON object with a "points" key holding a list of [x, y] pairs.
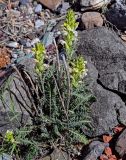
{"points": [[30, 10], [23, 42], [34, 41], [23, 8], [39, 23], [65, 7], [14, 56], [23, 2], [28, 44], [15, 13], [38, 8], [35, 3], [13, 44], [2, 6], [1, 13], [48, 38], [95, 149], [5, 156]]}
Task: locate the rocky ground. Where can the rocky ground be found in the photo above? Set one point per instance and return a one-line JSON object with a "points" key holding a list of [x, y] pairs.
{"points": [[102, 42]]}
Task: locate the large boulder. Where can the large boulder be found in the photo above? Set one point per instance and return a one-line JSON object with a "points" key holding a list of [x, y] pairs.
{"points": [[105, 53], [14, 91], [108, 53], [15, 99], [103, 111]]}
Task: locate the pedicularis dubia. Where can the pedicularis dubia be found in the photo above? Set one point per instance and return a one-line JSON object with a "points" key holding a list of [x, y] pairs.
{"points": [[78, 64], [64, 97], [70, 34], [39, 57], [59, 98]]}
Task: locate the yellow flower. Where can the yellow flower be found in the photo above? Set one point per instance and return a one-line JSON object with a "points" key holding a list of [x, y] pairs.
{"points": [[9, 136]]}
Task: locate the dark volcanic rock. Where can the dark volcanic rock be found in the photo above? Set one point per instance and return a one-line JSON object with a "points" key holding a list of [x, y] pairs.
{"points": [[105, 53], [12, 120], [121, 144], [117, 14], [103, 113], [108, 53], [12, 105], [94, 150], [14, 91], [15, 101]]}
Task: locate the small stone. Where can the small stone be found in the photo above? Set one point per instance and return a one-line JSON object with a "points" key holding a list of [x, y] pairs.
{"points": [[39, 23], [123, 37], [30, 10], [5, 156], [14, 56], [14, 4], [38, 8], [48, 38], [23, 2], [28, 44], [52, 24], [97, 143], [1, 13], [121, 144], [3, 6], [65, 7], [93, 4], [51, 4], [35, 3], [116, 14], [13, 13], [31, 36], [58, 155], [34, 41], [94, 151], [19, 52], [91, 20], [30, 1], [23, 8], [28, 51], [23, 42], [58, 33], [104, 157], [13, 44]]}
